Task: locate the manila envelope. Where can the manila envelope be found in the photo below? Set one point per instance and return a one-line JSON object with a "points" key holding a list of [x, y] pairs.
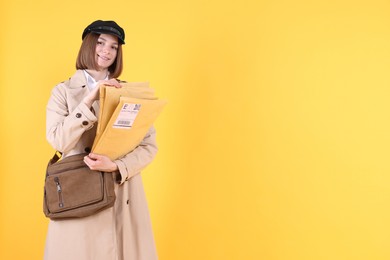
{"points": [[127, 126], [109, 99]]}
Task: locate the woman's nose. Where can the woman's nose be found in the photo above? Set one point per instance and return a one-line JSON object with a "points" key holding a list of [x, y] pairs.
{"points": [[106, 49]]}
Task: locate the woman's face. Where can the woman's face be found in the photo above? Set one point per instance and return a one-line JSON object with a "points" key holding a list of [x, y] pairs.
{"points": [[106, 50]]}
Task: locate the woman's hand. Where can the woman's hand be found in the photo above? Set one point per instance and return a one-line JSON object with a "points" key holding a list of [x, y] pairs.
{"points": [[94, 94], [100, 162]]}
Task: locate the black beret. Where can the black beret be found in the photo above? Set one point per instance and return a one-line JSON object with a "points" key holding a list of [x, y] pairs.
{"points": [[108, 27]]}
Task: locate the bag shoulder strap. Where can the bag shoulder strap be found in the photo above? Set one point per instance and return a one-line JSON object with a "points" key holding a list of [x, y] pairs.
{"points": [[57, 155]]}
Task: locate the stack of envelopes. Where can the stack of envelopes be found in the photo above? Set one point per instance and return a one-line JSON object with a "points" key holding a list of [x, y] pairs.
{"points": [[125, 116]]}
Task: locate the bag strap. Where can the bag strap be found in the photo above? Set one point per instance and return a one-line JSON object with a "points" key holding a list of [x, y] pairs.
{"points": [[57, 155]]}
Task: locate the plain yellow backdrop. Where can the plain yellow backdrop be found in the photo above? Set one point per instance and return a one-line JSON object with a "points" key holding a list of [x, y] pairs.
{"points": [[275, 143]]}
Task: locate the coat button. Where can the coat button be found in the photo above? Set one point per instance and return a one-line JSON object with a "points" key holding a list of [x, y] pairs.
{"points": [[127, 201], [85, 123], [78, 115], [87, 149]]}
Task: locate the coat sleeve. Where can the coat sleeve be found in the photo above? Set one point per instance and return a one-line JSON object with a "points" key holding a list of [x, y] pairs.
{"points": [[64, 128], [133, 162]]}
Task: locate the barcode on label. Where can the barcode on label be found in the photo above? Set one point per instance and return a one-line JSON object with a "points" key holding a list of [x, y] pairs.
{"points": [[123, 122]]}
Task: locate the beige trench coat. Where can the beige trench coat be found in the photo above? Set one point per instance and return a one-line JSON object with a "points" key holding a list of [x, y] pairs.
{"points": [[122, 232]]}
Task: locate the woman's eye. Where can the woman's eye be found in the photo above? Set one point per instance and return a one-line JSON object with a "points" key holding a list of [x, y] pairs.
{"points": [[114, 48], [99, 43]]}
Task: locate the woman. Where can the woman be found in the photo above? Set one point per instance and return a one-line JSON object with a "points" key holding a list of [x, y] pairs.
{"points": [[122, 232]]}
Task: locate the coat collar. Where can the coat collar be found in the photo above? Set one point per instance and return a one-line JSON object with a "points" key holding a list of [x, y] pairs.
{"points": [[78, 80]]}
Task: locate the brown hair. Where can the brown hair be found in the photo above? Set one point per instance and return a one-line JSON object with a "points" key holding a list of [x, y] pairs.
{"points": [[87, 53]]}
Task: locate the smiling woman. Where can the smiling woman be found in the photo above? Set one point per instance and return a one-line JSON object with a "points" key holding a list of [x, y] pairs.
{"points": [[124, 230], [106, 50], [104, 45]]}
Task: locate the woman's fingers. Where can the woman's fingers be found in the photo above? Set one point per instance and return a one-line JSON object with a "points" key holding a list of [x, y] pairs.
{"points": [[110, 82], [100, 162]]}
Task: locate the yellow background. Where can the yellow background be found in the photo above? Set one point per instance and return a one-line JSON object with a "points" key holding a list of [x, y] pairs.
{"points": [[275, 143]]}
